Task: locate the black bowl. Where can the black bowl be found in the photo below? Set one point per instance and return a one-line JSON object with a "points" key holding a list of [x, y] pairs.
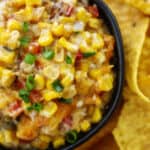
{"points": [[118, 61]]}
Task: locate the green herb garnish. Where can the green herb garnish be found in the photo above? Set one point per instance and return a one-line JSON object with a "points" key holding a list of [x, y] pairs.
{"points": [[36, 106], [88, 54], [30, 59], [48, 54], [24, 41], [66, 100], [24, 94], [25, 27], [71, 136], [68, 59], [30, 84], [57, 86]]}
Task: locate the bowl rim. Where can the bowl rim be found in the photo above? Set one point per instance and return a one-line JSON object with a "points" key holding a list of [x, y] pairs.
{"points": [[102, 6]]}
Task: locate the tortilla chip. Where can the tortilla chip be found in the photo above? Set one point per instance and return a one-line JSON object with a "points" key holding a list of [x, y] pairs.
{"points": [[133, 129], [133, 27], [142, 5], [144, 71]]}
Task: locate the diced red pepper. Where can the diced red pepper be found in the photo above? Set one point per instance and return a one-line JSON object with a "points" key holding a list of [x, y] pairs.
{"points": [[93, 10], [34, 48], [79, 56], [19, 84], [35, 96], [15, 109], [69, 10]]}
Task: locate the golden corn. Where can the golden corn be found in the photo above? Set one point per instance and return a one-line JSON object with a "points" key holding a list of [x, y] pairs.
{"points": [[69, 46], [58, 142], [45, 38], [105, 83], [4, 38], [2, 138], [82, 14], [97, 115], [14, 25], [85, 125], [33, 2], [98, 41], [58, 30], [6, 57], [50, 95], [18, 3], [49, 109], [7, 78], [94, 23], [43, 25], [45, 138], [39, 82], [95, 73], [67, 19], [66, 81]]}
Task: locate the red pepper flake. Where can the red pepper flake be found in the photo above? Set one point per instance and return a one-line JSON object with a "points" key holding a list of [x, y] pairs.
{"points": [[38, 64], [19, 84], [68, 121], [79, 56], [93, 10], [35, 96], [69, 10]]}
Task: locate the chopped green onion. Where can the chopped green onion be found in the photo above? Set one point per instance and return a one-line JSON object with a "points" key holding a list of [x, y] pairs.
{"points": [[25, 27], [71, 136], [30, 59], [57, 86], [24, 41], [66, 100], [24, 94], [36, 106], [89, 54], [68, 60], [48, 54], [30, 84]]}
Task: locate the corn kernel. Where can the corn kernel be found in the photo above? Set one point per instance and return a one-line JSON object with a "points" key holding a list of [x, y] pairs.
{"points": [[66, 81], [4, 38], [7, 78], [49, 109], [69, 46], [18, 3], [39, 82], [27, 14], [98, 41], [2, 139], [50, 95], [94, 23], [45, 138], [33, 2], [97, 115], [58, 142], [105, 83], [82, 15], [45, 38], [6, 57], [43, 25], [85, 48], [85, 125], [67, 19], [95, 73], [58, 30], [14, 25]]}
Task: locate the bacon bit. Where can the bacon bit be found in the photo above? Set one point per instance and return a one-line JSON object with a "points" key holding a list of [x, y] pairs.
{"points": [[15, 109], [35, 96], [38, 64], [68, 121], [93, 10], [34, 48], [19, 84], [69, 10]]}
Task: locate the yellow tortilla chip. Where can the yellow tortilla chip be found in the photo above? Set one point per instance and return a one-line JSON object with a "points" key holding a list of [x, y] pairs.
{"points": [[133, 27], [144, 69], [142, 5], [133, 129]]}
